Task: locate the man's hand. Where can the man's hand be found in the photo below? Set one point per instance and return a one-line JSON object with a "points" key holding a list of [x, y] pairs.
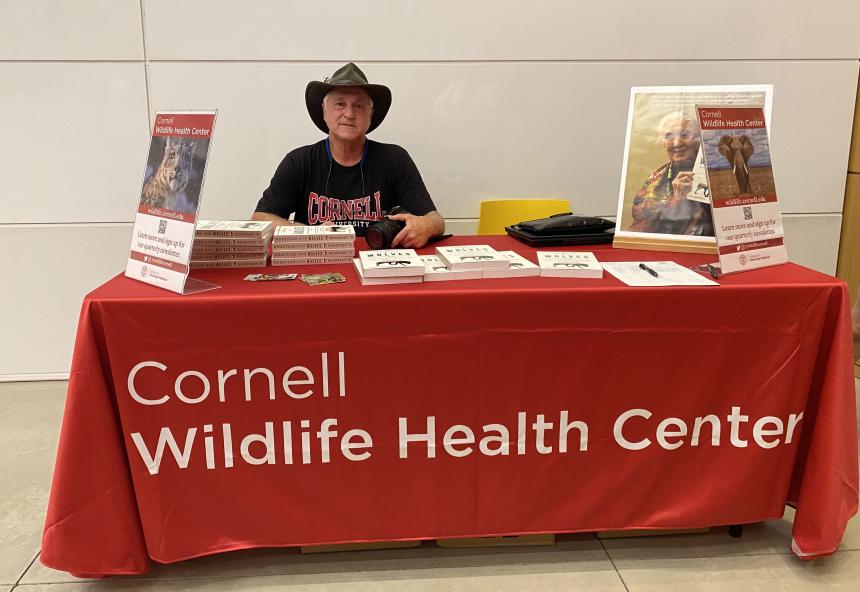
{"points": [[418, 230]]}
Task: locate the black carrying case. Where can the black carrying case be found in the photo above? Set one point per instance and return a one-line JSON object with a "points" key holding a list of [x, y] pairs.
{"points": [[563, 229]]}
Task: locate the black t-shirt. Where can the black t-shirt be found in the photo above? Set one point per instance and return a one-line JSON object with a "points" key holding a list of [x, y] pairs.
{"points": [[318, 189]]}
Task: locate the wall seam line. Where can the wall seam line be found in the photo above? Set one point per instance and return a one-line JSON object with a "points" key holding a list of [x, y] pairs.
{"points": [[145, 65], [148, 60], [504, 61]]}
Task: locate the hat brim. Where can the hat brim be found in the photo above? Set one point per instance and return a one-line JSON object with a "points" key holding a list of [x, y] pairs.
{"points": [[316, 91]]}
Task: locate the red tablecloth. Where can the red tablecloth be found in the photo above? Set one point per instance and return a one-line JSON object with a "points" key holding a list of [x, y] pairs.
{"points": [[463, 408]]}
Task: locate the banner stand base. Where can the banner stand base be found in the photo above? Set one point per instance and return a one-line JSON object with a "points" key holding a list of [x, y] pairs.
{"points": [[193, 286]]}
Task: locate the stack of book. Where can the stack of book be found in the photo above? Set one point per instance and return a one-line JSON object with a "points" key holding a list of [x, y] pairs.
{"points": [[518, 266], [577, 264], [231, 243], [389, 266], [467, 257], [435, 270], [313, 245]]}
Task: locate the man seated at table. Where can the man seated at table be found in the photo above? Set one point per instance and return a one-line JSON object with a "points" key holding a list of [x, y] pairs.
{"points": [[346, 178]]}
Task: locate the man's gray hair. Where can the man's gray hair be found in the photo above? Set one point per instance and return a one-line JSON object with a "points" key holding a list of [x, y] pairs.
{"points": [[369, 98]]}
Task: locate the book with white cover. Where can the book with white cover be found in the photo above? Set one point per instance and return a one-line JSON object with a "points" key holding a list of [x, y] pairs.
{"points": [[347, 252], [472, 257], [309, 260], [212, 250], [298, 247], [224, 263], [390, 279], [577, 264], [518, 266], [287, 234], [390, 262], [195, 256], [227, 241], [255, 229], [435, 270]]}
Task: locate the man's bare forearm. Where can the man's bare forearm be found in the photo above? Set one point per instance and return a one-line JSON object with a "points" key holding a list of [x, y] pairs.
{"points": [[438, 222]]}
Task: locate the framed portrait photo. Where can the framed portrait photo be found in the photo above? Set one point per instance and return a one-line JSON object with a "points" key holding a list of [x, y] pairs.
{"points": [[664, 198]]}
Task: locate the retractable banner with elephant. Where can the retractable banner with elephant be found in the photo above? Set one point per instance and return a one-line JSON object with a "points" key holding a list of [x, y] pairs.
{"points": [[664, 200], [747, 220], [166, 215]]}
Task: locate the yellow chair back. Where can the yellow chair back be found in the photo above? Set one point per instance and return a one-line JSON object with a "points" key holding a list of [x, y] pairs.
{"points": [[498, 213]]}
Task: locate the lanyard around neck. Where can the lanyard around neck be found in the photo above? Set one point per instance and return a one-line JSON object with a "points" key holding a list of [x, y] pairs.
{"points": [[363, 152]]}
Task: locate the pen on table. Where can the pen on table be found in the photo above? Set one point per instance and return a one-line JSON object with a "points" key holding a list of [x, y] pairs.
{"points": [[712, 270], [648, 269]]}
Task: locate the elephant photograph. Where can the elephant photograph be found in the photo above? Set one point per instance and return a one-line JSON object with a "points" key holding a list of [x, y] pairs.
{"points": [[738, 162], [737, 148]]}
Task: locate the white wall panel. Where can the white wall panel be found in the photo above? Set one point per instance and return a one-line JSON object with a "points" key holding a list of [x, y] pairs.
{"points": [[390, 30], [813, 241], [70, 30], [507, 130], [75, 139], [461, 226], [39, 315]]}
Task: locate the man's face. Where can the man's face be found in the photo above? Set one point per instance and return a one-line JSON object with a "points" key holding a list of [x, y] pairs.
{"points": [[347, 113], [680, 139]]}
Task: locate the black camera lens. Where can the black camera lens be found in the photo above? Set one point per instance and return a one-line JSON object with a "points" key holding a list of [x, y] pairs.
{"points": [[380, 234]]}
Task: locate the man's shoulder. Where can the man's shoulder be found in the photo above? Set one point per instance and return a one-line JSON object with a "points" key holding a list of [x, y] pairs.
{"points": [[383, 150], [306, 151]]}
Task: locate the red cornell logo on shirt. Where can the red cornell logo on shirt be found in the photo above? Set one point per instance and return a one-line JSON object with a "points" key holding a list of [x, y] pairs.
{"points": [[323, 209]]}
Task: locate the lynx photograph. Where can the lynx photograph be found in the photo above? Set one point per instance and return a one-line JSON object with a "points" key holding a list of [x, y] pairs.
{"points": [[174, 173]]}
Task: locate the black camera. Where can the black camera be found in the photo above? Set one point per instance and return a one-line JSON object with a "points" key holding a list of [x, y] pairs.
{"points": [[380, 234]]}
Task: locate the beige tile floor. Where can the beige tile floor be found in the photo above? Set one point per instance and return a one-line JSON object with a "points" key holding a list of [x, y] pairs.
{"points": [[760, 560]]}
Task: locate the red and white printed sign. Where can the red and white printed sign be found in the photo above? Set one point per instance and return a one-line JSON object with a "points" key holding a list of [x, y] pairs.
{"points": [[747, 221], [169, 201]]}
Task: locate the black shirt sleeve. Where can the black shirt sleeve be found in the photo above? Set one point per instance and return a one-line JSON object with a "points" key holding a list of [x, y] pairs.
{"points": [[411, 191], [281, 197]]}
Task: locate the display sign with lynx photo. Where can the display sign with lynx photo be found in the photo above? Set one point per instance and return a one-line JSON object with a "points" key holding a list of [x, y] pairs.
{"points": [[747, 220], [169, 201]]}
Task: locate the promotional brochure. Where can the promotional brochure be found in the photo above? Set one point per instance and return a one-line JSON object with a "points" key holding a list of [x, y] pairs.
{"points": [[166, 217], [747, 220]]}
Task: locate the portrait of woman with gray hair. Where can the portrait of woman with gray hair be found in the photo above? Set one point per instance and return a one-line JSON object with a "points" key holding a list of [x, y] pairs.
{"points": [[661, 204]]}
